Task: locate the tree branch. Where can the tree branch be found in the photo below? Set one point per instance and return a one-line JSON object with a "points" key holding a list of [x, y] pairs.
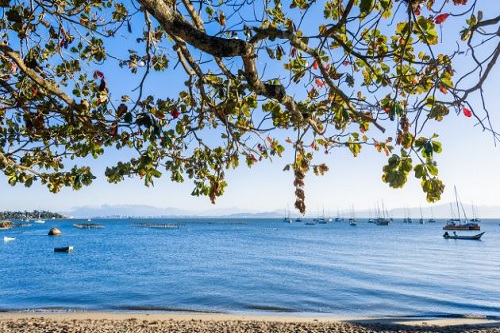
{"points": [[176, 25]]}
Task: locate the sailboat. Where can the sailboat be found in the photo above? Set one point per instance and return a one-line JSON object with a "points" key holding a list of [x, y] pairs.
{"points": [[338, 218], [39, 220], [382, 218], [352, 219], [421, 221], [456, 223], [474, 214], [408, 219], [287, 218], [370, 219], [322, 219], [432, 220]]}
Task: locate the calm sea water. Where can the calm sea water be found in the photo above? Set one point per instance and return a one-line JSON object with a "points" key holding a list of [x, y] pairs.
{"points": [[252, 266]]}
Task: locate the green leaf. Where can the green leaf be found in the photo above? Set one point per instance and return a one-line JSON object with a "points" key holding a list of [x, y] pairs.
{"points": [[366, 6], [433, 170], [419, 171], [437, 147]]}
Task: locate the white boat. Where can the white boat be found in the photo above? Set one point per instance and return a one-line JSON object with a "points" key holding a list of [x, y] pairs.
{"points": [[474, 214], [382, 218], [455, 236], [8, 239], [321, 219], [421, 221], [287, 218], [39, 220], [432, 219], [352, 219], [456, 223], [408, 219]]}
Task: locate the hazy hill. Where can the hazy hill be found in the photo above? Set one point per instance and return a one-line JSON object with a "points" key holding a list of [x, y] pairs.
{"points": [[443, 211]]}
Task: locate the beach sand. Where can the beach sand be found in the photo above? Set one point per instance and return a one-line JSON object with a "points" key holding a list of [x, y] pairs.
{"points": [[108, 322]]}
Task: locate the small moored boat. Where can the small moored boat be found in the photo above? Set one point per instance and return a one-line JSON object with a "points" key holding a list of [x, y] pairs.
{"points": [[455, 236], [63, 249], [8, 239]]}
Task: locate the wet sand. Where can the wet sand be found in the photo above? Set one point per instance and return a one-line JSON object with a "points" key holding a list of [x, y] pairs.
{"points": [[107, 322]]}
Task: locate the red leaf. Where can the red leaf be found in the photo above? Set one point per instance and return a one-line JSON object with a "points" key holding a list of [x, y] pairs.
{"points": [[315, 64], [175, 113], [467, 112], [319, 82], [441, 18], [443, 89], [98, 74], [113, 130], [345, 63], [312, 92], [417, 10]]}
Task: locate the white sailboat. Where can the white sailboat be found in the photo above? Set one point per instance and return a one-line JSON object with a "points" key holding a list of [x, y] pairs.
{"points": [[421, 221], [339, 218], [39, 220], [321, 219], [287, 218], [382, 218], [457, 223], [352, 219], [474, 214], [432, 220], [408, 219]]}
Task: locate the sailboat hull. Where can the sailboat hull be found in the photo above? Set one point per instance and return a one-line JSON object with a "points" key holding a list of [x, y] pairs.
{"points": [[463, 226]]}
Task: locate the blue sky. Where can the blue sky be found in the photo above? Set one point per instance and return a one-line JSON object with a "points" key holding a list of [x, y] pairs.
{"points": [[470, 160]]}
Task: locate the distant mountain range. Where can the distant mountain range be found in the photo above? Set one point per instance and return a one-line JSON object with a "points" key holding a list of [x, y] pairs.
{"points": [[116, 211]]}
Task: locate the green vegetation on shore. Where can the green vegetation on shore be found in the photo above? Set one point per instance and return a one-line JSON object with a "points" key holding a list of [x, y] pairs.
{"points": [[42, 214]]}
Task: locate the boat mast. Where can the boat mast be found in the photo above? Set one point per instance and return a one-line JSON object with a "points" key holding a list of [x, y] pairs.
{"points": [[465, 216], [456, 199]]}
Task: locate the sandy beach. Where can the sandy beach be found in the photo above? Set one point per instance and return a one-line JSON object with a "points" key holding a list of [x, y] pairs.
{"points": [[101, 322]]}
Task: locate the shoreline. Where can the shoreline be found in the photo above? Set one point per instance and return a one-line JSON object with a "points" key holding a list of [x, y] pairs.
{"points": [[119, 322]]}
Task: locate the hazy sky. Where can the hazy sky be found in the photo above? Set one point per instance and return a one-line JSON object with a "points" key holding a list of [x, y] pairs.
{"points": [[470, 160]]}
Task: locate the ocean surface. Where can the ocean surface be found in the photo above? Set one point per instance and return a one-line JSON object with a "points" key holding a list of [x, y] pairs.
{"points": [[252, 266]]}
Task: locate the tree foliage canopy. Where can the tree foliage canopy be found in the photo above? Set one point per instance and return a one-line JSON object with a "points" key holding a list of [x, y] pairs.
{"points": [[252, 78]]}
